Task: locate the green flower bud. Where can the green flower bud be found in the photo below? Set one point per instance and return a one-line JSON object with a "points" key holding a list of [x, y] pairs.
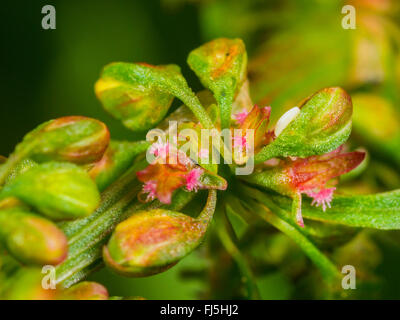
{"points": [[221, 65], [32, 239], [322, 125], [85, 290], [19, 169], [57, 190], [74, 139], [140, 94], [152, 241], [116, 160], [26, 284], [129, 94]]}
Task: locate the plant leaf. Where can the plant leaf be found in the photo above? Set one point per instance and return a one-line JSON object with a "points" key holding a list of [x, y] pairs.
{"points": [[221, 65], [378, 211]]}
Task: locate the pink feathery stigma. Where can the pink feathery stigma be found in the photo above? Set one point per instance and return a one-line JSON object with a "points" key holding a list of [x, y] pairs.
{"points": [[159, 149], [192, 179], [240, 116], [322, 197], [149, 187], [240, 142]]}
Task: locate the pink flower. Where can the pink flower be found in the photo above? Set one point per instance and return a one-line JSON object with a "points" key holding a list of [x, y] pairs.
{"points": [[159, 149], [150, 188], [239, 142], [240, 116], [192, 179], [310, 175], [322, 197]]}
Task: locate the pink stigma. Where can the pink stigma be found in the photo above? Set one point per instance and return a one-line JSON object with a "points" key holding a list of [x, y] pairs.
{"points": [[239, 142], [159, 149], [322, 198], [240, 116], [150, 188], [192, 179]]}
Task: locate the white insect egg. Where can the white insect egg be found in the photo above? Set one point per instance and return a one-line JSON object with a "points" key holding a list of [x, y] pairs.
{"points": [[286, 118]]}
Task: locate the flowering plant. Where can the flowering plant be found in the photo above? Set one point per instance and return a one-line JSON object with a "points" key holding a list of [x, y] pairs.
{"points": [[73, 198]]}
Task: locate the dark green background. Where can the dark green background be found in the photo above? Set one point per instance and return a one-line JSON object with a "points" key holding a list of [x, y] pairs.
{"points": [[51, 73]]}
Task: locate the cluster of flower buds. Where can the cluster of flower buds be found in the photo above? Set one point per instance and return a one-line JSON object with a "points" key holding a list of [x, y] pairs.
{"points": [[29, 284], [43, 177], [301, 142], [55, 174], [58, 169]]}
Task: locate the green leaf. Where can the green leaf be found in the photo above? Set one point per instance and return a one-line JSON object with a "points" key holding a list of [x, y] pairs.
{"points": [[221, 225], [239, 225], [221, 65], [116, 160], [328, 269], [57, 190], [378, 211]]}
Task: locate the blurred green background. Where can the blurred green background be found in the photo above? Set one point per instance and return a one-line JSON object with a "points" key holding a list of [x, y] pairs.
{"points": [[51, 73]]}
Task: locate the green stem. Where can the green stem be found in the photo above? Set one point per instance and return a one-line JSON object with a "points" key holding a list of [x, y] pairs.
{"points": [[88, 235], [86, 243], [328, 270], [225, 107], [229, 245], [207, 213], [266, 153], [7, 167], [193, 103]]}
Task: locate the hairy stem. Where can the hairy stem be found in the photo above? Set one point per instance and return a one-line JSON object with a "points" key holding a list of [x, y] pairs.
{"points": [[279, 220]]}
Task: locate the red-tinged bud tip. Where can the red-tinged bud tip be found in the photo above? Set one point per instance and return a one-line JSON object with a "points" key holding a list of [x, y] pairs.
{"points": [[27, 284], [152, 241], [90, 142], [75, 139], [34, 240]]}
